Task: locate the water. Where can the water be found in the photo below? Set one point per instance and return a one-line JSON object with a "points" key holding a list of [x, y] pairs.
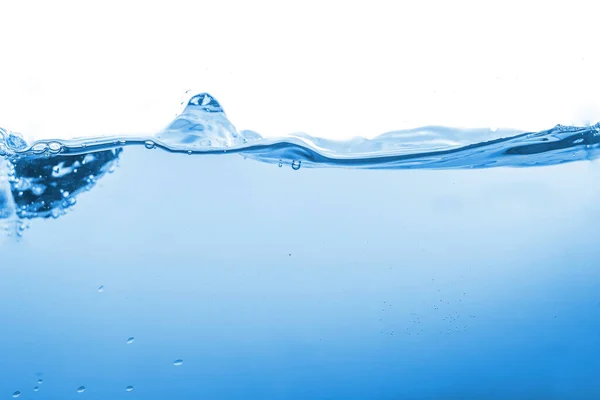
{"points": [[401, 267]]}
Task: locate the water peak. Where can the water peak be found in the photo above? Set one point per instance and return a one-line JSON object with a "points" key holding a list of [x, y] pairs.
{"points": [[202, 124], [205, 102]]}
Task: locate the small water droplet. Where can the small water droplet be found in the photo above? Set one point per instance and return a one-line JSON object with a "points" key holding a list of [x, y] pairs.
{"points": [[149, 144], [189, 152], [178, 362], [81, 389], [16, 394], [101, 289], [129, 388], [130, 340], [35, 389], [296, 165]]}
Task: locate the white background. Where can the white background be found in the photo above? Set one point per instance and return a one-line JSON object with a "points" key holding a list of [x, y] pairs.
{"points": [[333, 69]]}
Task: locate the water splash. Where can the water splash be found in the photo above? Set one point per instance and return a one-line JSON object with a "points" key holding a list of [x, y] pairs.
{"points": [[43, 179], [203, 128]]}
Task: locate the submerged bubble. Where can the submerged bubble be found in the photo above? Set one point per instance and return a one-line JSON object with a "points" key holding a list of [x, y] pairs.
{"points": [[16, 394], [81, 389], [296, 165], [280, 164], [101, 289], [178, 362], [149, 144], [35, 389], [129, 388], [55, 171], [130, 340], [38, 189], [40, 381]]}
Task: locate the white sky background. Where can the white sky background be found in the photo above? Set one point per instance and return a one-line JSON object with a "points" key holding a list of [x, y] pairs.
{"points": [[329, 68]]}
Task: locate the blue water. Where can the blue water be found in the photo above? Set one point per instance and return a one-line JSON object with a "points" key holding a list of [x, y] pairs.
{"points": [[407, 269]]}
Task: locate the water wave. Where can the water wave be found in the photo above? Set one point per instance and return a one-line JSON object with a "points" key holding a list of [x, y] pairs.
{"points": [[43, 179], [203, 128]]}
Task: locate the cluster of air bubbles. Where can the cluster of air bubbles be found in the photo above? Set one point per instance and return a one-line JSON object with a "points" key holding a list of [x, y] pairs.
{"points": [[47, 148], [22, 226], [16, 227], [16, 394], [11, 142]]}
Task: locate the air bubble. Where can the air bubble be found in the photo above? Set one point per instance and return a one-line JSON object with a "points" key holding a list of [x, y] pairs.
{"points": [[101, 289], [16, 394], [81, 389], [40, 381], [56, 171], [38, 189], [130, 340], [55, 147], [149, 144], [177, 362], [296, 165], [280, 164], [39, 148], [129, 388], [35, 389]]}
